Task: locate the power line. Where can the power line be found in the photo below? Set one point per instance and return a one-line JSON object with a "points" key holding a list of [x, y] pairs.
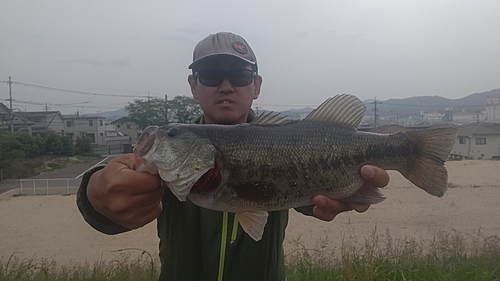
{"points": [[73, 91], [46, 103]]}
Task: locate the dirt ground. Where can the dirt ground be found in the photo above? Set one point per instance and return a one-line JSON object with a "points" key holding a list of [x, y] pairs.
{"points": [[51, 226]]}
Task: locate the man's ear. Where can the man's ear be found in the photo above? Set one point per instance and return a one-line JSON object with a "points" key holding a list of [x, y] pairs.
{"points": [[192, 84], [258, 83]]}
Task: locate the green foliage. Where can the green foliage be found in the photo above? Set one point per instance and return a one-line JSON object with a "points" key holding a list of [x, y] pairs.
{"points": [[56, 144], [157, 112], [19, 151], [446, 257], [83, 144], [183, 109], [147, 113], [142, 268]]}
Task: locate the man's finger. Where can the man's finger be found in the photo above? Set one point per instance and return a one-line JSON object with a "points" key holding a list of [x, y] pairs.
{"points": [[375, 176]]}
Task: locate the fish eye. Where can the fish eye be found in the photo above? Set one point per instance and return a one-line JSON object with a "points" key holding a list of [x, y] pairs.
{"points": [[172, 132]]}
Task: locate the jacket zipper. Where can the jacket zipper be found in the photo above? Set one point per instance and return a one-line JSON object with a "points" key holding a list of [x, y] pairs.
{"points": [[223, 241], [234, 233]]}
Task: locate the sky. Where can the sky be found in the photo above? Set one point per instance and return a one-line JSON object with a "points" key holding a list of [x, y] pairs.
{"points": [[95, 56]]}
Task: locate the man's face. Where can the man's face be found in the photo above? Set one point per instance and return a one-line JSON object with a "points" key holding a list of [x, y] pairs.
{"points": [[224, 103]]}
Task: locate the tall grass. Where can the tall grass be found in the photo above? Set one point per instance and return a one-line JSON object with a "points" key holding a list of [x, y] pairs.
{"points": [[141, 268], [448, 256]]}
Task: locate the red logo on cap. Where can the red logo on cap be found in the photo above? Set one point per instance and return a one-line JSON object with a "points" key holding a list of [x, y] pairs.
{"points": [[240, 47]]}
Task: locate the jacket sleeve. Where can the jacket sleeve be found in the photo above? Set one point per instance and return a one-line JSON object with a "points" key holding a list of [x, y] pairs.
{"points": [[306, 210], [91, 216]]}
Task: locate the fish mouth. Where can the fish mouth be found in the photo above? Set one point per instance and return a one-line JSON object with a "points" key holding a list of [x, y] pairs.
{"points": [[182, 176], [208, 182]]}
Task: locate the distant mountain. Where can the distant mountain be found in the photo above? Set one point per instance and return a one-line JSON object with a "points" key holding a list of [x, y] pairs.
{"points": [[111, 115], [428, 104], [402, 107]]}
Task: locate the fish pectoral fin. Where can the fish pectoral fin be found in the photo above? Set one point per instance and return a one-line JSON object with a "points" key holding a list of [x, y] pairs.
{"points": [[366, 196], [253, 223]]}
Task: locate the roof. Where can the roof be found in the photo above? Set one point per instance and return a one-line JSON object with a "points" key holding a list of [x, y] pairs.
{"points": [[482, 128], [27, 114], [81, 117], [122, 120]]}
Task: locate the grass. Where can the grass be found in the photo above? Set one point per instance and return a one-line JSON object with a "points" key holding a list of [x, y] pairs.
{"points": [[142, 268], [53, 163], [448, 256]]}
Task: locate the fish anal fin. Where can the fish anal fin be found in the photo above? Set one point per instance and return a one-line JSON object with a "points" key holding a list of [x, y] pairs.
{"points": [[342, 109], [365, 196], [253, 223]]}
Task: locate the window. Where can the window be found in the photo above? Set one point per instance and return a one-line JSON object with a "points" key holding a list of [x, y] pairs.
{"points": [[100, 123], [480, 141], [129, 126], [91, 123], [461, 140], [69, 123]]}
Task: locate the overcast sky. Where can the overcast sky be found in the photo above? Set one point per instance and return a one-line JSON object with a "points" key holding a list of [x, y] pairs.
{"points": [[307, 51]]}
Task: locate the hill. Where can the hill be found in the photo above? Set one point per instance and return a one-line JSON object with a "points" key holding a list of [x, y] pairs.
{"points": [[402, 107]]}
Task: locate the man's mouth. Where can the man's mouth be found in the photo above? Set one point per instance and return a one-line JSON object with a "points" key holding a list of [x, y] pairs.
{"points": [[225, 102]]}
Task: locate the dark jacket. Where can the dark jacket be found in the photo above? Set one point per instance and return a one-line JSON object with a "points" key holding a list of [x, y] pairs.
{"points": [[201, 244]]}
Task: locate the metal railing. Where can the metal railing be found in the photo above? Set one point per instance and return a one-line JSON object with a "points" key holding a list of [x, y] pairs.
{"points": [[64, 186]]}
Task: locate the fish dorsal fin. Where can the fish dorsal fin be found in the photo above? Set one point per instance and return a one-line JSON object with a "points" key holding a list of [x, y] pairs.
{"points": [[344, 109], [253, 223], [270, 118]]}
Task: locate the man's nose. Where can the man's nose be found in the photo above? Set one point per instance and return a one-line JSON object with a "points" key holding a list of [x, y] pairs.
{"points": [[226, 86]]}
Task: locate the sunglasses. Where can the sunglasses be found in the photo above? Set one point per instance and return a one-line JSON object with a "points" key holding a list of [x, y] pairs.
{"points": [[214, 77]]}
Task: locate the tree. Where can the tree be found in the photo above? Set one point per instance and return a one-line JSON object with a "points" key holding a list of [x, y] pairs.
{"points": [[57, 145], [183, 109], [147, 113], [158, 112], [83, 144]]}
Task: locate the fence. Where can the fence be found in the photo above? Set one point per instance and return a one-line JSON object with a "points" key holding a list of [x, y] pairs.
{"points": [[112, 149], [65, 186]]}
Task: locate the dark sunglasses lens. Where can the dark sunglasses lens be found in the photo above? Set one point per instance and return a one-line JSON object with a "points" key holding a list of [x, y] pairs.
{"points": [[211, 78], [241, 78], [238, 78]]}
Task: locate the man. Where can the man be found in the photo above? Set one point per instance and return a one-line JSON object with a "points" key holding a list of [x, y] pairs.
{"points": [[197, 243]]}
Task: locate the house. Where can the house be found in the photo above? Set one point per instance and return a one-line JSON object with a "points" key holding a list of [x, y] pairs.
{"points": [[40, 121], [465, 117], [128, 128], [92, 126], [477, 141]]}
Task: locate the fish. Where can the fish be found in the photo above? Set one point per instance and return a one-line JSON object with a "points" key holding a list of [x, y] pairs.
{"points": [[274, 163]]}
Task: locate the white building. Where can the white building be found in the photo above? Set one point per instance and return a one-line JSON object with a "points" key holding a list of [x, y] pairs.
{"points": [[477, 141]]}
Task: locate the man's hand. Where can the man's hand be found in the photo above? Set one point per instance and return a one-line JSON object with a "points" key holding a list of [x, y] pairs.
{"points": [[125, 196], [327, 208]]}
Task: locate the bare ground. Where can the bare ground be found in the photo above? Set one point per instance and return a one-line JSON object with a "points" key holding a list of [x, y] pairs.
{"points": [[51, 226]]}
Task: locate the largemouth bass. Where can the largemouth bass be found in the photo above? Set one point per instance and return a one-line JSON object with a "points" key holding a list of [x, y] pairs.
{"points": [[275, 164]]}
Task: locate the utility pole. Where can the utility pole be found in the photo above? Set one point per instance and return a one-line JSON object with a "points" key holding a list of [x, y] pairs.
{"points": [[11, 116], [375, 113], [166, 108]]}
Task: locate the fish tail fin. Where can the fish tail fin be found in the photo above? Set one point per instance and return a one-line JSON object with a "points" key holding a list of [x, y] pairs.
{"points": [[428, 171]]}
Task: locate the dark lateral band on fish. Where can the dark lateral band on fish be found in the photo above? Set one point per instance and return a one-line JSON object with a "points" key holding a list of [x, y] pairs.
{"points": [[274, 163]]}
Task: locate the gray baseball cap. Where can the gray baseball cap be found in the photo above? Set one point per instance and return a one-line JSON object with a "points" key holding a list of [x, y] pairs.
{"points": [[223, 43]]}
